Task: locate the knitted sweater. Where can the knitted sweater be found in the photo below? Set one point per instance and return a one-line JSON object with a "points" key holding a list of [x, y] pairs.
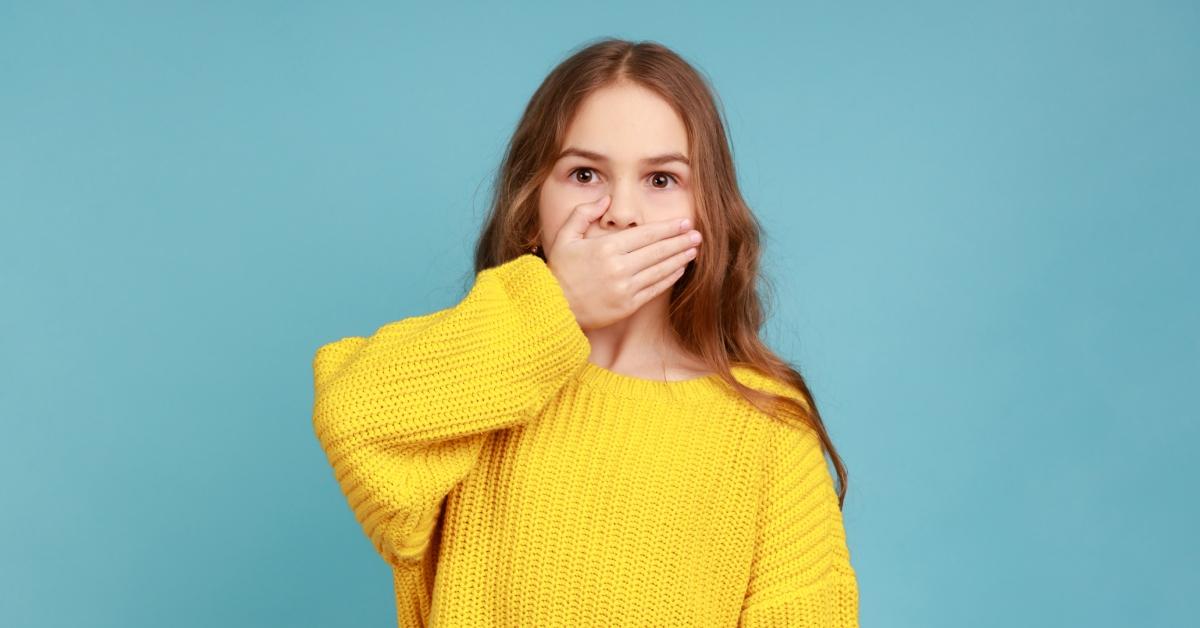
{"points": [[508, 481]]}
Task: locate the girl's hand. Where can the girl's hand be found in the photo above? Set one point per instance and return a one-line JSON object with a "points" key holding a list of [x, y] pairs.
{"points": [[607, 278]]}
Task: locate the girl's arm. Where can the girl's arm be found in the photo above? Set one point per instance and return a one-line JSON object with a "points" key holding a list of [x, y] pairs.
{"points": [[403, 414], [801, 574]]}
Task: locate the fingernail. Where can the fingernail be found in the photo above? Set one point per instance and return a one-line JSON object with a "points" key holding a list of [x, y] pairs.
{"points": [[685, 224]]}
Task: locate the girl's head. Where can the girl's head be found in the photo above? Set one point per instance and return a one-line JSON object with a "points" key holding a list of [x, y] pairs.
{"points": [[597, 125], [626, 141]]}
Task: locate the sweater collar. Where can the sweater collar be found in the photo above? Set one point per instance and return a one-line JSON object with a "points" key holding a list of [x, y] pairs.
{"points": [[597, 377]]}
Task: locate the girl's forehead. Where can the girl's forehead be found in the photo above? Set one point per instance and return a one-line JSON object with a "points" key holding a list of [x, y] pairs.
{"points": [[626, 119]]}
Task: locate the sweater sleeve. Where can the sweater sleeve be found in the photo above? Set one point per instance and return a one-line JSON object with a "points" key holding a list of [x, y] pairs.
{"points": [[403, 414], [801, 574]]}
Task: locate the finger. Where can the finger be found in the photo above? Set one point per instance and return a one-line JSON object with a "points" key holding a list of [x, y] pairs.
{"points": [[651, 278], [657, 288], [637, 237], [658, 251], [583, 216]]}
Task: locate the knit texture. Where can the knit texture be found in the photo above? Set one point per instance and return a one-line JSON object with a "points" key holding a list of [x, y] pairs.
{"points": [[508, 481]]}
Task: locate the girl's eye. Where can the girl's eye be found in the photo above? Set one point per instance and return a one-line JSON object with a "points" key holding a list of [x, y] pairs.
{"points": [[657, 177], [665, 175], [578, 170]]}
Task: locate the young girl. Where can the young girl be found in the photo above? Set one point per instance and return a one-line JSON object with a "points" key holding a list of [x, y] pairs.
{"points": [[595, 435]]}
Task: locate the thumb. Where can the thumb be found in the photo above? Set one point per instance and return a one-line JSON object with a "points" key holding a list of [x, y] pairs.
{"points": [[583, 216]]}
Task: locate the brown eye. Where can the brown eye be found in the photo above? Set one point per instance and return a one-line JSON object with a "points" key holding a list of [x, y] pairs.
{"points": [[664, 177], [575, 173]]}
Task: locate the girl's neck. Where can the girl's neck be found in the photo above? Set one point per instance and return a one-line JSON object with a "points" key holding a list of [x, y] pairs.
{"points": [[642, 345]]}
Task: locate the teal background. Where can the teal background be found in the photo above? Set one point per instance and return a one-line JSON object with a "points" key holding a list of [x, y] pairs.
{"points": [[983, 224]]}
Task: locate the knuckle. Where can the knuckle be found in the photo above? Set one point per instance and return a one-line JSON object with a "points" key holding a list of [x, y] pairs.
{"points": [[624, 288]]}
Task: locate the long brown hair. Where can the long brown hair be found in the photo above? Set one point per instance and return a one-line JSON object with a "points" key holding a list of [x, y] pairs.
{"points": [[715, 310]]}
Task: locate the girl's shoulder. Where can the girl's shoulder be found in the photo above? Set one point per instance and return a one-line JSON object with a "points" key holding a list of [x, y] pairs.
{"points": [[783, 414], [755, 378]]}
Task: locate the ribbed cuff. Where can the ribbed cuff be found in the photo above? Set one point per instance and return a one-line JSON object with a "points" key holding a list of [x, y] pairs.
{"points": [[550, 328]]}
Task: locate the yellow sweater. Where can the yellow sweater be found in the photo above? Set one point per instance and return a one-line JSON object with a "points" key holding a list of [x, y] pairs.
{"points": [[508, 481]]}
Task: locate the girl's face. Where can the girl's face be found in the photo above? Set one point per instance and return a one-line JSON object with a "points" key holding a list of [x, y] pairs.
{"points": [[628, 142]]}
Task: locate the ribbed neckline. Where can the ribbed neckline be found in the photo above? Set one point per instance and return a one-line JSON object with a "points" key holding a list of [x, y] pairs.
{"points": [[597, 377]]}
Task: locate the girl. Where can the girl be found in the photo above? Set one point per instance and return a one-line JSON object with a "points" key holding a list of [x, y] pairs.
{"points": [[595, 435]]}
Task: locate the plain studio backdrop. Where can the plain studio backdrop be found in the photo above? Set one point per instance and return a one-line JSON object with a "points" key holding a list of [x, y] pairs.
{"points": [[982, 219]]}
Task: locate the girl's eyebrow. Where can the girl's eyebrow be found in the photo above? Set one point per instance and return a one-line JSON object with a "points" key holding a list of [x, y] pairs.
{"points": [[649, 161]]}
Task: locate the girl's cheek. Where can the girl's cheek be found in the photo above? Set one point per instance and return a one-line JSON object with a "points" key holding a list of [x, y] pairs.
{"points": [[558, 201], [670, 203], [571, 196]]}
